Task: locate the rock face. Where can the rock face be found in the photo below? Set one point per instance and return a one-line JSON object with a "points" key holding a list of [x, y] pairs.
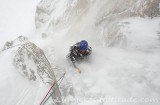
{"points": [[100, 18], [30, 52], [57, 11], [32, 63]]}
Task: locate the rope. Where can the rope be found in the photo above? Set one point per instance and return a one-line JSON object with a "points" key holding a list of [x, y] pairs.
{"points": [[43, 102], [53, 91]]}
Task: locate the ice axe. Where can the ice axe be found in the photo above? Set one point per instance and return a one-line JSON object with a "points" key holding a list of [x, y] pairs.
{"points": [[77, 69]]}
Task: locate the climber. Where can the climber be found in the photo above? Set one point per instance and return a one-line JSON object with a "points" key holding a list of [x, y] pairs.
{"points": [[79, 51]]}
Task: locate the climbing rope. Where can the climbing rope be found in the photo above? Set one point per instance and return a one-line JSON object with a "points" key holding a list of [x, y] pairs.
{"points": [[44, 99]]}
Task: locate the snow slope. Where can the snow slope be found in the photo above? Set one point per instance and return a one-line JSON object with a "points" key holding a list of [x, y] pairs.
{"points": [[126, 74], [15, 89], [17, 18]]}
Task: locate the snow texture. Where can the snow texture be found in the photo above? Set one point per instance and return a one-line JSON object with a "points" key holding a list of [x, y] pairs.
{"points": [[123, 68]]}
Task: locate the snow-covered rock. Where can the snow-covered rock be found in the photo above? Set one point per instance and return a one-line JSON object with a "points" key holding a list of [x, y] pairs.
{"points": [[91, 17], [31, 64]]}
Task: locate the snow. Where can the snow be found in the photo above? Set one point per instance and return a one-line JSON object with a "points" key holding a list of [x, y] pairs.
{"points": [[17, 18], [112, 73], [15, 90], [125, 72], [142, 33]]}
